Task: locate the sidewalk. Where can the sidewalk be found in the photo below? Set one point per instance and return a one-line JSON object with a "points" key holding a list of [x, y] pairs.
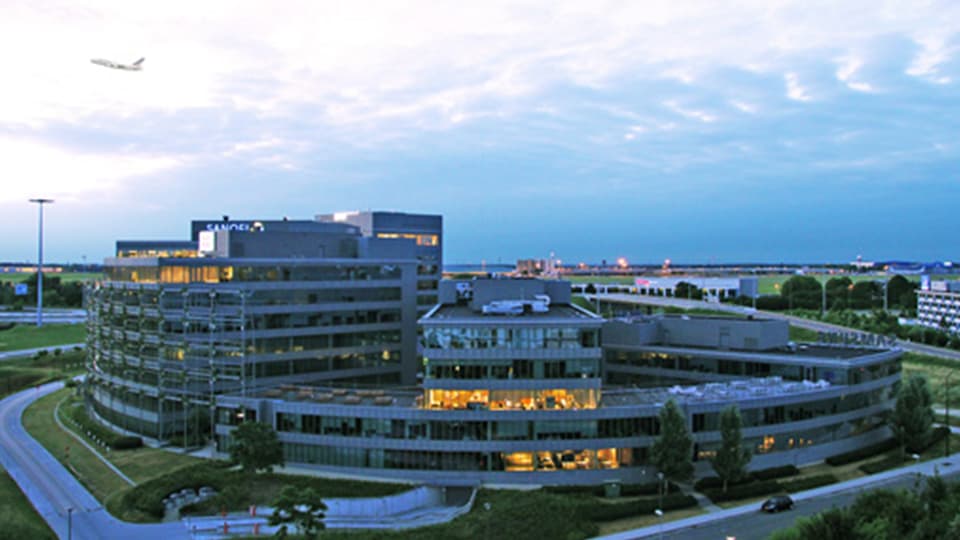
{"points": [[948, 465]]}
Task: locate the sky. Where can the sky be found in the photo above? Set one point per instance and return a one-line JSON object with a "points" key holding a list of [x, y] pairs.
{"points": [[700, 131]]}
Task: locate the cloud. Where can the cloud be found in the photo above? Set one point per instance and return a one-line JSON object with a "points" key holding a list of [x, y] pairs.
{"points": [[846, 70], [794, 90], [934, 53], [36, 169]]}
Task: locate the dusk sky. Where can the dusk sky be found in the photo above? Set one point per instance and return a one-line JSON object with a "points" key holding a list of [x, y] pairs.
{"points": [[760, 131]]}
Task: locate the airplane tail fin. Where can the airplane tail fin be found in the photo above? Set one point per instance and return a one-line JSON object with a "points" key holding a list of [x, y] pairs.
{"points": [[140, 61]]}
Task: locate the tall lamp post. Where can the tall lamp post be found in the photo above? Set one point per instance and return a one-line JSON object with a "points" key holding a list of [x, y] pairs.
{"points": [[40, 203], [946, 415]]}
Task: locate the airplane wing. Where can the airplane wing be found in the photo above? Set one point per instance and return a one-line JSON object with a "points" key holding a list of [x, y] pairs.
{"points": [[138, 62]]}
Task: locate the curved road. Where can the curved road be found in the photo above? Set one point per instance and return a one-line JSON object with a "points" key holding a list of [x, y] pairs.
{"points": [[53, 490]]}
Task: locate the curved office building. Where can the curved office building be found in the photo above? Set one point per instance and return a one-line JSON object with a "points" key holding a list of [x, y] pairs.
{"points": [[312, 327], [243, 308], [520, 387]]}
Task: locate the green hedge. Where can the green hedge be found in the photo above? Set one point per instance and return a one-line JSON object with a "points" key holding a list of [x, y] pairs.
{"points": [[102, 433], [937, 436], [715, 482], [882, 465], [810, 482], [775, 472], [601, 511], [626, 490], [148, 496], [744, 491], [862, 453]]}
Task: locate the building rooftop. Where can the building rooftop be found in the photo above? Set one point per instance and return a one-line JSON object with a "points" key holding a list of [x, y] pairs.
{"points": [[732, 391], [448, 312]]}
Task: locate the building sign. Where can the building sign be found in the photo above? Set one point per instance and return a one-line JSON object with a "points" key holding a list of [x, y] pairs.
{"points": [[20, 289], [208, 242]]}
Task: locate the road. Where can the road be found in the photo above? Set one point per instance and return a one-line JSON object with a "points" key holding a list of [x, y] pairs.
{"points": [[53, 490], [20, 353], [759, 525], [809, 324], [50, 316]]}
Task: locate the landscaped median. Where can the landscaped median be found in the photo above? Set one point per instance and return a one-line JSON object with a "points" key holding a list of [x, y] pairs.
{"points": [[784, 479]]}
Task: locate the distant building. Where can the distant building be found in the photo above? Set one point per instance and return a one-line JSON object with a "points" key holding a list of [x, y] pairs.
{"points": [[938, 305], [714, 288]]}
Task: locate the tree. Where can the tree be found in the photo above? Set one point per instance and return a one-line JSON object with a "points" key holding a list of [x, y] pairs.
{"points": [[838, 291], [732, 458], [672, 452], [899, 292], [864, 295], [687, 290], [256, 447], [802, 292], [302, 507], [912, 417]]}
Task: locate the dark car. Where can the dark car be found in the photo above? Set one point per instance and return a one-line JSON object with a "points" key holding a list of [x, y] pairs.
{"points": [[776, 504]]}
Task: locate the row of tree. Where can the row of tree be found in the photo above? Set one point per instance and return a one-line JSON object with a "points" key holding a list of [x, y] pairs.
{"points": [[672, 453], [56, 292], [256, 448]]}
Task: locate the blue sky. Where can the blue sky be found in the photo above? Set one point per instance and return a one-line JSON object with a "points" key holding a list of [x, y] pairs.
{"points": [[767, 131]]}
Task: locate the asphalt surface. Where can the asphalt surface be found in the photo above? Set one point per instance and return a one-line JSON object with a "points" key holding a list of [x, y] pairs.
{"points": [[816, 326], [760, 525], [50, 316], [53, 490], [20, 353]]}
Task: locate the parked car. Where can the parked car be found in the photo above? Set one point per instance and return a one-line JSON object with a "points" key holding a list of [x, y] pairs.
{"points": [[776, 504]]}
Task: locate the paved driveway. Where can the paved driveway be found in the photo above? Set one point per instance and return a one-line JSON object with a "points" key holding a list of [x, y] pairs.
{"points": [[53, 490]]}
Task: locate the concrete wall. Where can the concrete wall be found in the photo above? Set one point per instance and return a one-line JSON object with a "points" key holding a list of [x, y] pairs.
{"points": [[724, 333], [407, 501]]}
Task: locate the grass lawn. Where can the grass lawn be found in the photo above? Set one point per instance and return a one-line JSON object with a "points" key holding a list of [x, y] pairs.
{"points": [[617, 525], [802, 334], [140, 464], [22, 373], [92, 473], [17, 516], [936, 371], [65, 277], [25, 336]]}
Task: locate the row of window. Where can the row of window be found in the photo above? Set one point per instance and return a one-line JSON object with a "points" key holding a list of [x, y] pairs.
{"points": [[220, 273], [512, 369], [458, 430], [838, 375], [510, 338]]}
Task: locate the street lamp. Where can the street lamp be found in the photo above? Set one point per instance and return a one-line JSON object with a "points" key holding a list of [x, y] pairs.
{"points": [[946, 415], [40, 203], [69, 523]]}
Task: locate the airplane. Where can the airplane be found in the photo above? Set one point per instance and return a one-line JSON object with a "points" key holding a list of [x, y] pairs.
{"points": [[136, 66]]}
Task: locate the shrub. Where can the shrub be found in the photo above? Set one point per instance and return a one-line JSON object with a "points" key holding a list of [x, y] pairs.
{"points": [[882, 465], [937, 436], [862, 453], [101, 432], [743, 491], [126, 443], [810, 482], [601, 511], [715, 482], [775, 472], [57, 351], [652, 488]]}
